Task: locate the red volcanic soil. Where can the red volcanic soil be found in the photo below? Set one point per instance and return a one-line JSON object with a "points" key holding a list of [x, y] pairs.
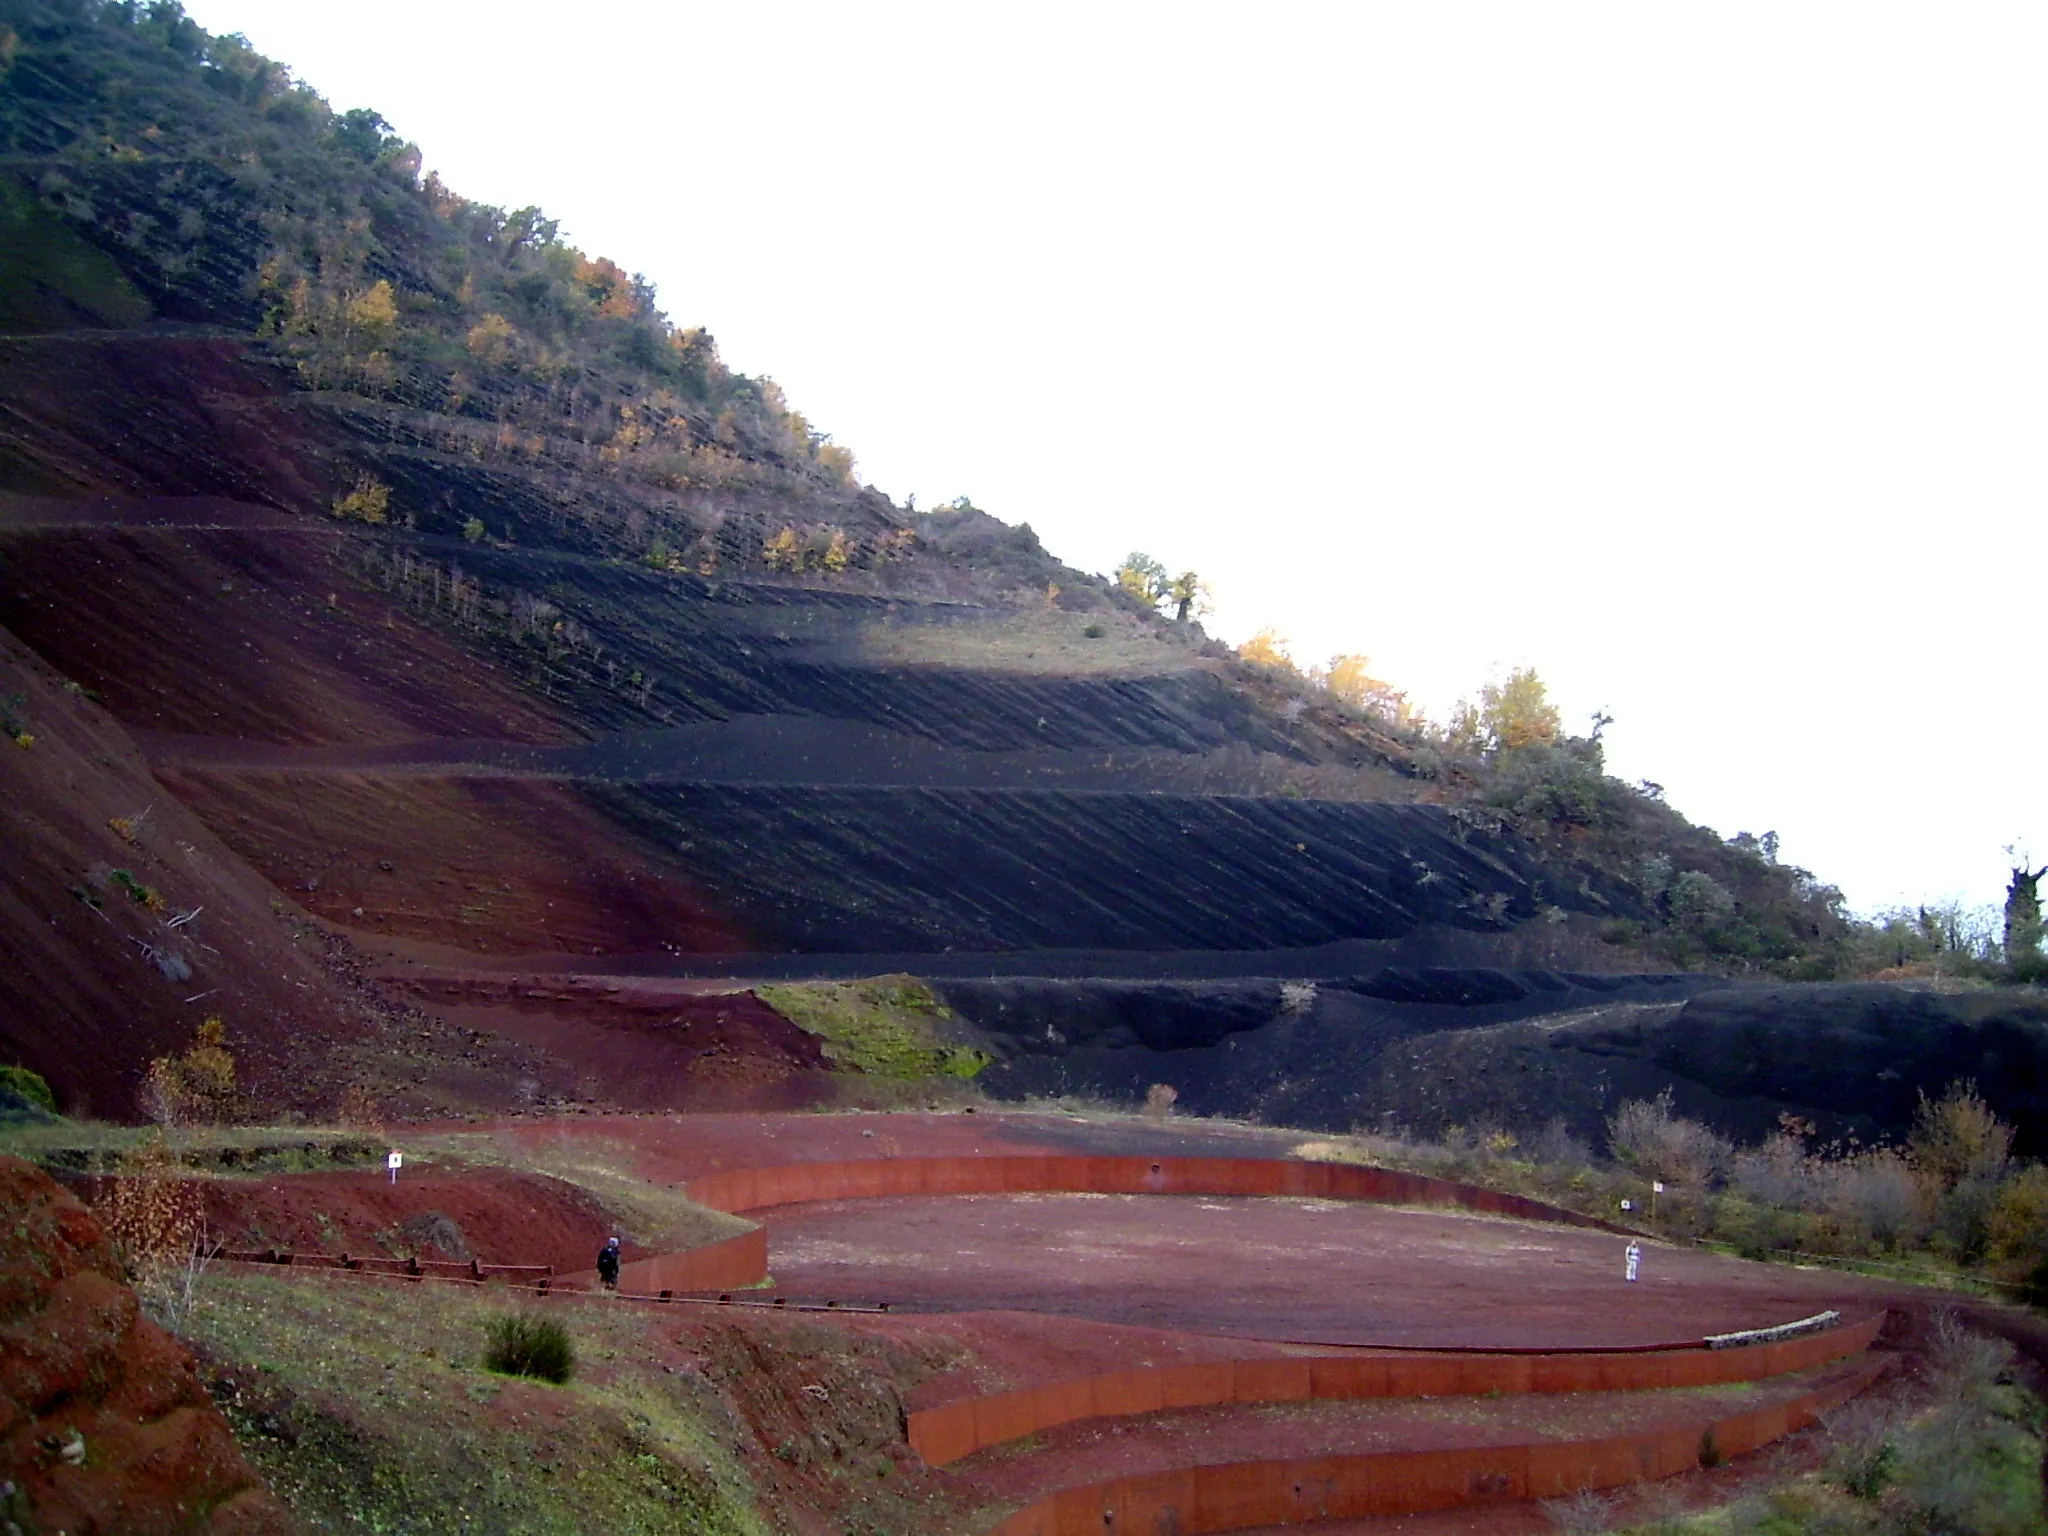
{"points": [[642, 1044], [96, 982], [78, 1358], [495, 1215], [492, 865], [1306, 1270], [214, 618], [232, 623], [93, 414]]}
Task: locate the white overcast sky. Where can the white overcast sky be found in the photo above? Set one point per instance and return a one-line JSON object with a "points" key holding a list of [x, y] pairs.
{"points": [[1692, 354]]}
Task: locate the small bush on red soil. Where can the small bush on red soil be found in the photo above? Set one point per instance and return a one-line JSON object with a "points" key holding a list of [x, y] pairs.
{"points": [[530, 1346]]}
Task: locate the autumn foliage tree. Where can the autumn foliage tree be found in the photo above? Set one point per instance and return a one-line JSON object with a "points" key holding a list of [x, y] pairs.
{"points": [[1146, 579], [1268, 648], [1518, 712], [1189, 595], [1956, 1139], [1349, 678], [196, 1084]]}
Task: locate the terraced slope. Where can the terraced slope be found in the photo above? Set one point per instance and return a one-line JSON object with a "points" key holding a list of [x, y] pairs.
{"points": [[731, 747], [661, 776]]}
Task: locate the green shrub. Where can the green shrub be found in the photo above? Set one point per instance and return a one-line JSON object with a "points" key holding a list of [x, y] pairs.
{"points": [[523, 1345], [1710, 1449], [29, 1086]]}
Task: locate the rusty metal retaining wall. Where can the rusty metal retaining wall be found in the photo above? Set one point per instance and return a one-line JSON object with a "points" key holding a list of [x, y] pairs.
{"points": [[724, 1265], [749, 1189], [945, 1434], [1235, 1496]]}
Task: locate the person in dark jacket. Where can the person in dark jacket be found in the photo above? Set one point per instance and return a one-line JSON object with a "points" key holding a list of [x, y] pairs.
{"points": [[608, 1264]]}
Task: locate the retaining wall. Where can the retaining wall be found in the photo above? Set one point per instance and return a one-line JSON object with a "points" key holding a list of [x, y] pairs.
{"points": [[945, 1434], [1246, 1495], [750, 1189], [727, 1264]]}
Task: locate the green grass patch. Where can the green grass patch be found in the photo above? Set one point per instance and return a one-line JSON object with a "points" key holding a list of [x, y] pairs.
{"points": [[526, 1344], [884, 1026], [371, 1409]]}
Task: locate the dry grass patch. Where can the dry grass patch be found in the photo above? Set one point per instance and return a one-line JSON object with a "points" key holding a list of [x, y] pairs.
{"points": [[1045, 642]]}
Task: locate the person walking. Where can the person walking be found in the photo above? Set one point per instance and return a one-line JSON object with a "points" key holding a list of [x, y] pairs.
{"points": [[608, 1264]]}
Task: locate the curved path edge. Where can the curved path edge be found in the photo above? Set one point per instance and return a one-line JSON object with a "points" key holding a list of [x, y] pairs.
{"points": [[749, 1189], [951, 1431], [1248, 1495]]}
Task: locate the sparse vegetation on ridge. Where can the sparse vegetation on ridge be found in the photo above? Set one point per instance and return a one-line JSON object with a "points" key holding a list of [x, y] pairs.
{"points": [[92, 1146], [1951, 1207], [474, 356]]}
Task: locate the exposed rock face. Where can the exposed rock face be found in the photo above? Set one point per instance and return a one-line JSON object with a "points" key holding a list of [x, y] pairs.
{"points": [[80, 1364]]}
